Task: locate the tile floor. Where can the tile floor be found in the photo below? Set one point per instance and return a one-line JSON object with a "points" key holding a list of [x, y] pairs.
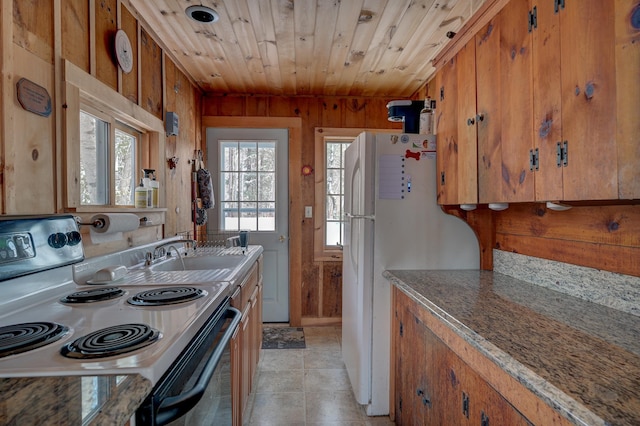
{"points": [[306, 387]]}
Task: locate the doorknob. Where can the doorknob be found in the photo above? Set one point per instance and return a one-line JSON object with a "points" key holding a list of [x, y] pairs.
{"points": [[282, 238]]}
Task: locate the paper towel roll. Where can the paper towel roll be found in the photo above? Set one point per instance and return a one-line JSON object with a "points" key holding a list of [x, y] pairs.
{"points": [[115, 222], [110, 226]]}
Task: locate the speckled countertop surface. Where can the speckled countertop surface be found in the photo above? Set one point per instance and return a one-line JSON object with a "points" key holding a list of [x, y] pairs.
{"points": [[58, 401], [581, 358]]}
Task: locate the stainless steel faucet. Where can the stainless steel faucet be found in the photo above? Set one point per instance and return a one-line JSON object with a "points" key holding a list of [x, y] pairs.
{"points": [[159, 251]]}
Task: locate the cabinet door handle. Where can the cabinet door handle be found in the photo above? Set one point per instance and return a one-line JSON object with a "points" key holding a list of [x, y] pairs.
{"points": [[484, 419], [465, 405], [480, 117], [471, 121], [425, 399]]}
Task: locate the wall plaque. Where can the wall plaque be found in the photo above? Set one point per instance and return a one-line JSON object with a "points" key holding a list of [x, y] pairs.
{"points": [[33, 97]]}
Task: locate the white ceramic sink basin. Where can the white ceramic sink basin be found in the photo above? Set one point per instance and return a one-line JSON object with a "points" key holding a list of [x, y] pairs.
{"points": [[199, 263]]}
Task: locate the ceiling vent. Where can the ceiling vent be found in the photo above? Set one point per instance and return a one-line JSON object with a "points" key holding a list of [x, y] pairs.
{"points": [[202, 14]]}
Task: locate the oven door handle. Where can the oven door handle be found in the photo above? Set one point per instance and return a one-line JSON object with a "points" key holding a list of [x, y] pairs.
{"points": [[175, 406]]}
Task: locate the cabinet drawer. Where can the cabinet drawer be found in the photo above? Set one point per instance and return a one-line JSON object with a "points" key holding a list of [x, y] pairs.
{"points": [[248, 284]]}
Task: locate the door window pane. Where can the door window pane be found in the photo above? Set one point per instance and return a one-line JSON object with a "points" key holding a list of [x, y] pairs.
{"points": [[267, 187], [267, 215], [230, 219], [247, 175], [248, 160], [248, 186]]}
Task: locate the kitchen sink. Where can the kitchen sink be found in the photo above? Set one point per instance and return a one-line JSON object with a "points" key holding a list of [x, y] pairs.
{"points": [[198, 263]]}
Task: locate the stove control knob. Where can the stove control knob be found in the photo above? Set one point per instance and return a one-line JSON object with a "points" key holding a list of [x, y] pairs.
{"points": [[58, 240], [73, 238]]}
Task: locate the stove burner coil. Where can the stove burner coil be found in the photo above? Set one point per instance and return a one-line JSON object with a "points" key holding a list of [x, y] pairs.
{"points": [[110, 341], [18, 338], [166, 296], [93, 295]]}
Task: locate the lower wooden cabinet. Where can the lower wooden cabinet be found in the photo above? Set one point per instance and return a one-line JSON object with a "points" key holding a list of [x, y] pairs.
{"points": [[433, 386], [247, 342]]}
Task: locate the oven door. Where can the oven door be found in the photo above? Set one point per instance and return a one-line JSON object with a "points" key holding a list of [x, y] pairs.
{"points": [[196, 390]]}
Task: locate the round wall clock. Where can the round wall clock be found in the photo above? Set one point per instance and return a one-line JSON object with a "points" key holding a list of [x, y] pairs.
{"points": [[124, 53]]}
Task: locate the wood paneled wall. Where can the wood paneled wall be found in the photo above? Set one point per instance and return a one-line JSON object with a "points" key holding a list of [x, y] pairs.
{"points": [[37, 36], [320, 304], [601, 237], [182, 99]]}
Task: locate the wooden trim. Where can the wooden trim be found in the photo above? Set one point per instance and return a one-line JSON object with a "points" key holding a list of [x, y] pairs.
{"points": [[71, 119], [92, 37], [320, 290], [479, 19], [139, 61], [393, 358], [317, 322], [294, 125], [119, 26], [119, 106], [6, 93], [58, 90]]}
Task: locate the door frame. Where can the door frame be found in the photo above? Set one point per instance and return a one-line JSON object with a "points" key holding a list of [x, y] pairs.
{"points": [[294, 125]]}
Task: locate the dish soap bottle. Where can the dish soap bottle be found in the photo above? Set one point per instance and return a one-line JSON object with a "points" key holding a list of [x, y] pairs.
{"points": [[146, 182], [426, 118], [141, 196], [155, 191]]}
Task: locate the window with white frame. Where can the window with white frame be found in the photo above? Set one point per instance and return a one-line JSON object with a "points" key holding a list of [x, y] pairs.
{"points": [[334, 191], [330, 146], [109, 160]]}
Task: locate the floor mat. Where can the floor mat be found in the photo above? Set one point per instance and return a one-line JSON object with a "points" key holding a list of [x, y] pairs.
{"points": [[283, 338]]}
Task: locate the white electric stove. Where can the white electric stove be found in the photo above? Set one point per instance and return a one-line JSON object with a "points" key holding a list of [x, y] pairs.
{"points": [[38, 302]]}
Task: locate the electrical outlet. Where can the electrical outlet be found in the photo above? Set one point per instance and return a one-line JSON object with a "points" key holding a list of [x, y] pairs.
{"points": [[308, 211]]}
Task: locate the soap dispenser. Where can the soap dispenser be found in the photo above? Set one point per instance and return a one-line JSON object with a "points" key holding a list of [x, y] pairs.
{"points": [[155, 190], [141, 196], [146, 182]]}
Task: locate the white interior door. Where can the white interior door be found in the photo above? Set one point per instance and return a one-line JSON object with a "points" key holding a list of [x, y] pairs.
{"points": [[252, 174]]}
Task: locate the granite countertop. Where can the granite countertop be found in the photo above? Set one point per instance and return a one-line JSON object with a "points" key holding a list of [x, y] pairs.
{"points": [[68, 400], [581, 358]]}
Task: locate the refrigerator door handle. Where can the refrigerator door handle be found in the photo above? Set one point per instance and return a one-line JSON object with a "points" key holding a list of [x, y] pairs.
{"points": [[360, 216]]}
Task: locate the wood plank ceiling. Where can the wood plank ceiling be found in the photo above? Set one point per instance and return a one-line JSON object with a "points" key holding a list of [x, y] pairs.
{"points": [[308, 47]]}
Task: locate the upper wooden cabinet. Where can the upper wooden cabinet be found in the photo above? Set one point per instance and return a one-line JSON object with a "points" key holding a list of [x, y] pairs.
{"points": [[549, 93], [484, 120], [457, 149], [504, 106], [574, 81]]}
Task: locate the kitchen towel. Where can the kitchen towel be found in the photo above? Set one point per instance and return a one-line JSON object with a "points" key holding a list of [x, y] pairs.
{"points": [[205, 187], [110, 226]]}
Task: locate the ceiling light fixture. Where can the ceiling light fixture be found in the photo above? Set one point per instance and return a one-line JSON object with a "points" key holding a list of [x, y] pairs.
{"points": [[202, 14]]}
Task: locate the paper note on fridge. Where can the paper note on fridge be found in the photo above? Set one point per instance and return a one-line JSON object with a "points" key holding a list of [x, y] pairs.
{"points": [[391, 184]]}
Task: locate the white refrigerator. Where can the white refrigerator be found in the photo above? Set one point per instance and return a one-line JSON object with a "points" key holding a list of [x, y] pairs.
{"points": [[392, 221]]}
